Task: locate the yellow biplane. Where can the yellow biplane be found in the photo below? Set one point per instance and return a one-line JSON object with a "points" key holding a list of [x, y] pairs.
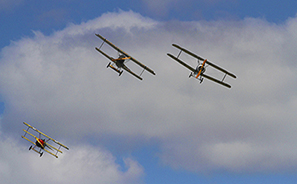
{"points": [[120, 61], [42, 142], [198, 73]]}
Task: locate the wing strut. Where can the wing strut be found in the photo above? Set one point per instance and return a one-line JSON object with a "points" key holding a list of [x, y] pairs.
{"points": [[102, 44], [133, 59], [142, 72], [179, 54], [224, 77], [205, 62]]}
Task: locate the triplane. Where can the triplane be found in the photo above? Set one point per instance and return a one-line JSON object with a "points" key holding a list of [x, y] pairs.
{"points": [[42, 142], [120, 61], [198, 73]]}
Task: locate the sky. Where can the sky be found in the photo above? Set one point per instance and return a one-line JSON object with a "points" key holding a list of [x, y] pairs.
{"points": [[167, 128]]}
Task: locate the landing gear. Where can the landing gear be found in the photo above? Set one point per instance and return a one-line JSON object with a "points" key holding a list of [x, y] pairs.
{"points": [[41, 154], [115, 69], [30, 148]]}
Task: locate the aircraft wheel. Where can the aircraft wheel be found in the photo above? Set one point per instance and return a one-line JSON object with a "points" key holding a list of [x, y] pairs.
{"points": [[30, 147]]}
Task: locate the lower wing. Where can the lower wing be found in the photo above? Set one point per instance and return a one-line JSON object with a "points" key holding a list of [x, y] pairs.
{"points": [[50, 153], [216, 80], [134, 74], [103, 53], [29, 140], [181, 62]]}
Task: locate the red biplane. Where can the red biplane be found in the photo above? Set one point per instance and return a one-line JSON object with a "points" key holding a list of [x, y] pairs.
{"points": [[42, 142]]}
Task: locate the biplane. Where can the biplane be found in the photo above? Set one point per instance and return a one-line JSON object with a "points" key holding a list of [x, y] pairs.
{"points": [[119, 63], [42, 142], [199, 72]]}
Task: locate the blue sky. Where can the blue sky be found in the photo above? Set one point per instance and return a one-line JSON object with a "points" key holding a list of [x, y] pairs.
{"points": [[21, 17], [167, 128]]}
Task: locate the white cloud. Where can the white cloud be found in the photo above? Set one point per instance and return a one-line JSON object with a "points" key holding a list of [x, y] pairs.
{"points": [[78, 165], [60, 83]]}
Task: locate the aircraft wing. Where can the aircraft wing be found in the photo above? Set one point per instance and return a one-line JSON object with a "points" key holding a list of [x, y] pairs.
{"points": [[103, 53], [221, 69], [207, 62], [216, 80], [30, 134], [29, 140], [119, 50], [181, 62], [188, 52], [36, 138], [142, 65], [128, 70], [50, 153], [44, 135], [52, 147]]}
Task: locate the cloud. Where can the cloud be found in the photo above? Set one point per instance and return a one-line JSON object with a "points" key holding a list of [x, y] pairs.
{"points": [[60, 83], [82, 163]]}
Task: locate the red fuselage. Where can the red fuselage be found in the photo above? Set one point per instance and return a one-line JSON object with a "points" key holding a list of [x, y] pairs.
{"points": [[40, 143]]}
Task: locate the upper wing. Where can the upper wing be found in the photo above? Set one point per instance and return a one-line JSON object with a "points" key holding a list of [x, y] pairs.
{"points": [[216, 80], [45, 136], [221, 69], [119, 50], [188, 52], [125, 67], [200, 58], [181, 62], [29, 134]]}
